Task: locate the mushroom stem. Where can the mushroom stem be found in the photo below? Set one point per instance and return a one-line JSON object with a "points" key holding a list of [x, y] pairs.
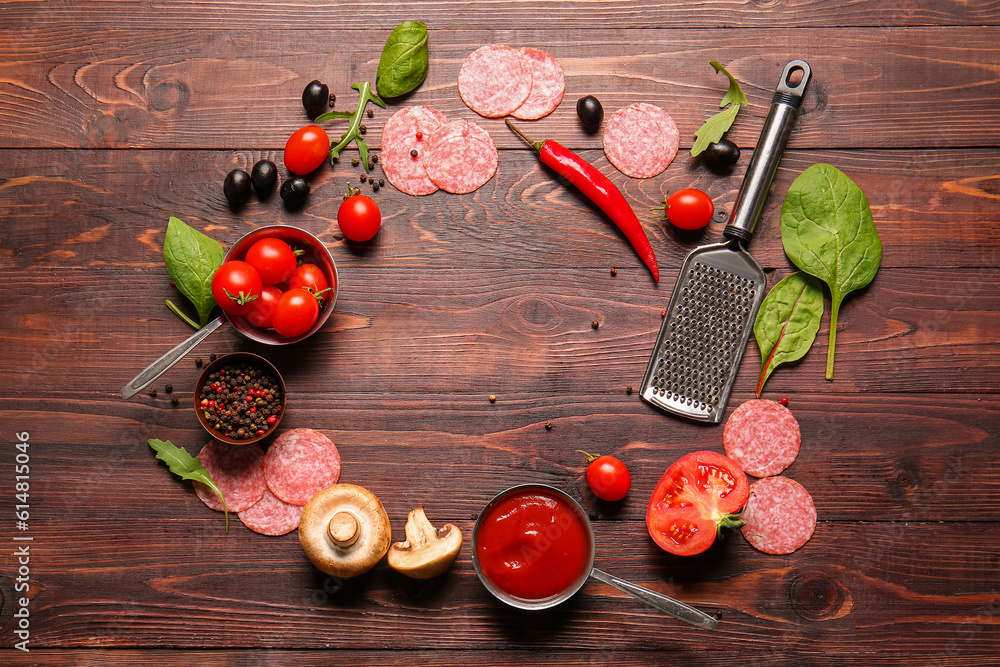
{"points": [[344, 529]]}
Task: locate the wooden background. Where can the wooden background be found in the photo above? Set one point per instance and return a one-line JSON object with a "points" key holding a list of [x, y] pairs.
{"points": [[116, 115]]}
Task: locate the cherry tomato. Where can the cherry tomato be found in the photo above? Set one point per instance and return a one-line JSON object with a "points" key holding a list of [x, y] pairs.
{"points": [[274, 260], [306, 149], [235, 286], [690, 208], [295, 312], [262, 313], [696, 497], [312, 278], [607, 477], [359, 217]]}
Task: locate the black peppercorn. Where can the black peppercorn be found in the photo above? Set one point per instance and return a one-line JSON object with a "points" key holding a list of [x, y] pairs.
{"points": [[169, 388], [363, 129], [374, 158], [198, 362], [413, 153], [371, 114], [152, 392], [354, 162]]}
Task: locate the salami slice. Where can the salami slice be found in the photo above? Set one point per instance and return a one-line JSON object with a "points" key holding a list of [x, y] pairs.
{"points": [[641, 140], [780, 516], [548, 84], [460, 157], [238, 471], [299, 463], [271, 515], [763, 437], [406, 131], [494, 80]]}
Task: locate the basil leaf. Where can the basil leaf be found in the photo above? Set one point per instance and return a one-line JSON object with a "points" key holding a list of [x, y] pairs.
{"points": [[186, 466], [787, 322], [713, 129], [191, 259], [827, 231], [403, 65]]}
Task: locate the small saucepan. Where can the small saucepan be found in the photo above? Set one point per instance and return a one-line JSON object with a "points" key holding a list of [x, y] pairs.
{"points": [[313, 250], [533, 547]]}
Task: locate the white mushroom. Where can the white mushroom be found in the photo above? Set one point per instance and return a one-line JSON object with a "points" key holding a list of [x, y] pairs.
{"points": [[426, 552], [344, 530]]}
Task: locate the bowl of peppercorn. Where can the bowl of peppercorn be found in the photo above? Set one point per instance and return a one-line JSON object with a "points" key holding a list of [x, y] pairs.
{"points": [[240, 398]]}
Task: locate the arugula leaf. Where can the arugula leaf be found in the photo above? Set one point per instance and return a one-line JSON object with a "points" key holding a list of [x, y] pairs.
{"points": [[186, 466], [713, 129], [787, 322], [192, 258], [403, 65], [365, 95], [827, 230]]}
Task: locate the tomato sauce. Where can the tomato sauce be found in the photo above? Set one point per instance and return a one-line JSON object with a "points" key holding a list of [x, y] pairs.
{"points": [[532, 544]]}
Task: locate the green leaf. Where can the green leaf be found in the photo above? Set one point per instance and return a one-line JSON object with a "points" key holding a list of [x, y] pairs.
{"points": [[787, 322], [827, 231], [186, 466], [191, 259], [353, 133], [713, 129], [404, 61]]}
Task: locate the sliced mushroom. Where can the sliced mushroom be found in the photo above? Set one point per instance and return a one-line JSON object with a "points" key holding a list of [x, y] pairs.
{"points": [[344, 530], [426, 552]]}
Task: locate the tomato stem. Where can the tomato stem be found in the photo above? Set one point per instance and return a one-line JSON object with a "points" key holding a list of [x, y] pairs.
{"points": [[590, 457]]}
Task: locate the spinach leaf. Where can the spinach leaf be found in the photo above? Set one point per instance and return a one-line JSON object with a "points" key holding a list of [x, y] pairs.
{"points": [[186, 466], [827, 231], [353, 133], [787, 322], [191, 259], [403, 65], [715, 127]]}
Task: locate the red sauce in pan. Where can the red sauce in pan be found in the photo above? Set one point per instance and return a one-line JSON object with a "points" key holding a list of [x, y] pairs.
{"points": [[532, 544]]}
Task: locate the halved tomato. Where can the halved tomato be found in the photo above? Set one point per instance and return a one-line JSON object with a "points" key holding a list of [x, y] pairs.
{"points": [[698, 496]]}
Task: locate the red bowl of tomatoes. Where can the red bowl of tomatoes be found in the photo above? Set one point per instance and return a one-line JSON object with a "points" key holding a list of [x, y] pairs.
{"points": [[277, 285]]}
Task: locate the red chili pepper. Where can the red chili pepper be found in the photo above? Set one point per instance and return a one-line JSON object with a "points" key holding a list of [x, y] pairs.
{"points": [[599, 189]]}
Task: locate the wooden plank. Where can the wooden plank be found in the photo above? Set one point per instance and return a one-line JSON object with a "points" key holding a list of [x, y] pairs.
{"points": [[104, 15], [934, 209], [493, 331], [246, 591], [876, 458], [873, 87]]}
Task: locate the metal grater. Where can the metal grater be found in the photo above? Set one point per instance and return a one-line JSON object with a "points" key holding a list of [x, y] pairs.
{"points": [[720, 287]]}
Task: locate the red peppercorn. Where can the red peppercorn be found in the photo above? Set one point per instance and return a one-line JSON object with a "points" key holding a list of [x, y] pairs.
{"points": [[211, 404], [249, 398], [784, 401], [663, 313], [260, 432], [272, 419], [253, 409], [420, 135]]}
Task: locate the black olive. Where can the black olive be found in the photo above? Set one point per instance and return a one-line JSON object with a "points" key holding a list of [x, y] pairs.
{"points": [[315, 97], [294, 191], [590, 111], [264, 176], [722, 154], [237, 187]]}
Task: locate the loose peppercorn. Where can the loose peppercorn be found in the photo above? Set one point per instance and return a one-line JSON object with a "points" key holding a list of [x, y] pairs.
{"points": [[371, 180], [414, 153], [784, 401], [371, 114], [381, 181], [355, 162], [663, 313], [198, 362], [375, 187], [614, 271], [363, 129], [213, 356], [371, 164], [174, 401], [152, 392], [548, 426], [628, 390], [169, 388], [595, 324], [374, 158], [363, 178], [493, 398]]}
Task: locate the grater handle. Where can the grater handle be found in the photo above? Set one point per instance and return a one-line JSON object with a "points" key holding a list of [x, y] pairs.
{"points": [[771, 144]]}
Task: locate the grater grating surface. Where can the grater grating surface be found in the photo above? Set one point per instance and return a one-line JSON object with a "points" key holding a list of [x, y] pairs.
{"points": [[698, 352]]}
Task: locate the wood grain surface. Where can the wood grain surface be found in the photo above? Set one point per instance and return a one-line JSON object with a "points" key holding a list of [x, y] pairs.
{"points": [[116, 115]]}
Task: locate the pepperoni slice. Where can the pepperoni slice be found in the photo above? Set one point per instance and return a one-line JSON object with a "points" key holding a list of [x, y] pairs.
{"points": [[548, 84], [299, 463], [494, 80], [238, 471], [780, 516], [641, 140], [460, 157], [406, 131], [271, 515], [763, 437]]}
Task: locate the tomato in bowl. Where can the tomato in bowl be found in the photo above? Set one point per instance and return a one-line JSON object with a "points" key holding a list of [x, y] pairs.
{"points": [[257, 322]]}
